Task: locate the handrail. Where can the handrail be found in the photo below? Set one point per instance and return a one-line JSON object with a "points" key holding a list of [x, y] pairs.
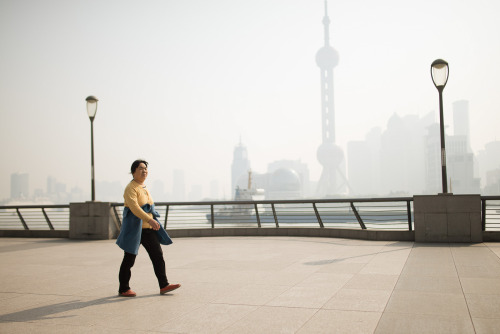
{"points": [[490, 213], [371, 213], [35, 217], [287, 212], [34, 206]]}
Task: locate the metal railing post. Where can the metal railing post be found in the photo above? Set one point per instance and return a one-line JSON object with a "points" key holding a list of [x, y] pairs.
{"points": [[275, 216], [22, 219], [408, 210], [212, 217], [320, 222], [166, 217], [47, 219], [358, 217], [483, 214], [257, 214]]}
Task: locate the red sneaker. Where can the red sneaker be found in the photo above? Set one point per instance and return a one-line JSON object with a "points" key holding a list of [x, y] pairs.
{"points": [[128, 293], [168, 288]]}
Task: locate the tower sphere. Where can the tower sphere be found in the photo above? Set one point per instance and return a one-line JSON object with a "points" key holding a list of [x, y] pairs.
{"points": [[327, 57], [330, 155]]}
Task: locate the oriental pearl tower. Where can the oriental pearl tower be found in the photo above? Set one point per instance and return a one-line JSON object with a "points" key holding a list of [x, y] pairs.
{"points": [[330, 155]]}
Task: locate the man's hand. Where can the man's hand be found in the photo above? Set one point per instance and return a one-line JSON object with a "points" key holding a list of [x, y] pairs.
{"points": [[154, 224]]}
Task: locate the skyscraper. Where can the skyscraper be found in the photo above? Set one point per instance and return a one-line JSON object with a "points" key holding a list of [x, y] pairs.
{"points": [[461, 125], [489, 161], [330, 155], [239, 167], [19, 185]]}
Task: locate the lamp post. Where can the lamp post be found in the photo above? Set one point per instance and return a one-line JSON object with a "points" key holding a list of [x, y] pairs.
{"points": [[91, 111], [439, 73]]}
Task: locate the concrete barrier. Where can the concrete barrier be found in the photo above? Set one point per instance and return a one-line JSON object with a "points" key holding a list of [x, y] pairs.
{"points": [[447, 218], [92, 220]]}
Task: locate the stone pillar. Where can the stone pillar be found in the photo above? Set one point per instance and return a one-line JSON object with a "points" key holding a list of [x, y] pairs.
{"points": [[92, 220], [447, 218]]}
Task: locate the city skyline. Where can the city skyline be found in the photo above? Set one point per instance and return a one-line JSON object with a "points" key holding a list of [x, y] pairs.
{"points": [[415, 138], [179, 83]]}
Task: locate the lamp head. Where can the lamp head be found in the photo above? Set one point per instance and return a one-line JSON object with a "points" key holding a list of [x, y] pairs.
{"points": [[91, 106], [439, 73]]}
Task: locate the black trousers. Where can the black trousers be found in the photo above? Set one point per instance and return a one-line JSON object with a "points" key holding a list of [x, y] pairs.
{"points": [[149, 240]]}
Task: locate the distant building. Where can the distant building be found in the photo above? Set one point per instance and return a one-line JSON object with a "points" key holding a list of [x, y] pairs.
{"points": [[51, 185], [459, 156], [284, 183], [432, 152], [390, 162], [239, 168], [19, 185], [288, 179], [460, 159], [363, 167], [406, 159], [461, 125], [178, 186], [492, 182], [402, 155], [460, 166], [489, 162]]}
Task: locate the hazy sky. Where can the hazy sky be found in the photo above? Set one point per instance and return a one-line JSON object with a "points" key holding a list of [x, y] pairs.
{"points": [[179, 82]]}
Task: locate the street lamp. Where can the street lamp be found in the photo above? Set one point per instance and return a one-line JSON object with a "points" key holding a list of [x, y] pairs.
{"points": [[439, 73], [91, 110]]}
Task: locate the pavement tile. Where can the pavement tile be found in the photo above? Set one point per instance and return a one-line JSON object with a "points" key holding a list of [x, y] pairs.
{"points": [[342, 268], [211, 318], [304, 296], [429, 284], [418, 302], [483, 306], [397, 323], [289, 278], [252, 294], [272, 320], [494, 247], [481, 285], [337, 321], [372, 281], [431, 269], [149, 317], [384, 266], [486, 326], [326, 280], [479, 270], [359, 300]]}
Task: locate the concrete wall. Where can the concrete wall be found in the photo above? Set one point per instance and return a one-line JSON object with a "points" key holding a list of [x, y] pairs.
{"points": [[92, 220], [448, 218], [296, 232], [34, 234]]}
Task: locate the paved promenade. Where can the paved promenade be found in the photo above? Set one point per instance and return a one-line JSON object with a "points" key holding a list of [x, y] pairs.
{"points": [[252, 285]]}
